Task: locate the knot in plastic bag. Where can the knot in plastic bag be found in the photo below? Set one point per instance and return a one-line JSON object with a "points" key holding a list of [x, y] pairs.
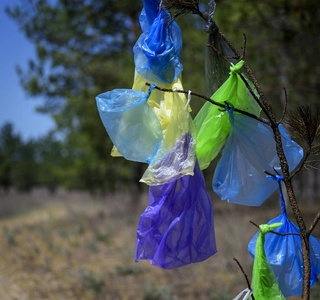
{"points": [[236, 68], [265, 228]]}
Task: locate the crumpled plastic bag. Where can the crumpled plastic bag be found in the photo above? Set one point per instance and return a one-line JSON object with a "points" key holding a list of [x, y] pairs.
{"points": [[176, 156], [212, 124], [216, 69], [284, 253], [157, 51], [177, 227], [148, 13], [264, 283], [250, 149], [130, 122]]}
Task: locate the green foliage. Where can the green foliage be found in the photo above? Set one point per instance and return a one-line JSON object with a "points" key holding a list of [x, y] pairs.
{"points": [[90, 280], [151, 292]]}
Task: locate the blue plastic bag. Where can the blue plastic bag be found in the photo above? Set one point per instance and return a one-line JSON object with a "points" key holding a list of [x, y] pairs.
{"points": [[285, 256], [148, 13], [130, 122], [250, 149], [177, 227], [157, 51]]}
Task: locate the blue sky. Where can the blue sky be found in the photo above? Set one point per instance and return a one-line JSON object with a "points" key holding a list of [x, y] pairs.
{"points": [[15, 106]]}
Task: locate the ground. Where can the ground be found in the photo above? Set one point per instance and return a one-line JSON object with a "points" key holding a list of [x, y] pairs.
{"points": [[77, 246]]}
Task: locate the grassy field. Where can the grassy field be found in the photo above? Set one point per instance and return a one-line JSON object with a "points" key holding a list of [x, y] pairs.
{"points": [[74, 246]]}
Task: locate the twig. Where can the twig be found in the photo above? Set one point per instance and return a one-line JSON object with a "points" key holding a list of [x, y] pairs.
{"points": [[278, 233], [244, 46], [303, 161], [219, 53], [285, 106], [245, 276], [314, 223], [212, 102], [270, 174]]}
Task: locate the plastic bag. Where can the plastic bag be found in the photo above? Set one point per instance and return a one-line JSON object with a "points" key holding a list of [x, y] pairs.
{"points": [[130, 122], [176, 156], [177, 227], [216, 69], [249, 150], [264, 283], [157, 51], [212, 124], [161, 103], [284, 254], [148, 13]]}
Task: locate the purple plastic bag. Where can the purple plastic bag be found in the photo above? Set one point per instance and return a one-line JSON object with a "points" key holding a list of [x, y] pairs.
{"points": [[177, 227]]}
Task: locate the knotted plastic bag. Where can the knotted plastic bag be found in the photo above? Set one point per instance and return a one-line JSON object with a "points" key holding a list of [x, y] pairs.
{"points": [[177, 227], [148, 13], [264, 283], [250, 149], [130, 122], [216, 69], [284, 253], [157, 51], [212, 124], [176, 155]]}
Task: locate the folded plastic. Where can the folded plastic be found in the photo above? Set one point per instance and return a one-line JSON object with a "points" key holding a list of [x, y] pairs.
{"points": [[284, 254], [157, 51], [148, 13], [264, 283], [250, 149], [177, 227], [212, 124], [176, 156], [130, 122]]}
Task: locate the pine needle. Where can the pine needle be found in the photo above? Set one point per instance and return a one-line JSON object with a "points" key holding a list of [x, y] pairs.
{"points": [[178, 8], [304, 125]]}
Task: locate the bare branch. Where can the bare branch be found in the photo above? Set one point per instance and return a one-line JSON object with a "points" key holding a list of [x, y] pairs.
{"points": [[314, 223], [244, 46], [278, 233], [219, 53], [303, 161], [245, 275], [212, 102], [285, 106]]}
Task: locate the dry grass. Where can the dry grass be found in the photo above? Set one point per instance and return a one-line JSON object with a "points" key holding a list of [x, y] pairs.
{"points": [[72, 246]]}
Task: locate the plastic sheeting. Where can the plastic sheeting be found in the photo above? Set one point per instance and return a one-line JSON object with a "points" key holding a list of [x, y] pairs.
{"points": [[212, 124], [264, 283], [176, 156], [284, 253], [157, 51], [177, 227], [130, 122], [216, 69], [249, 150]]}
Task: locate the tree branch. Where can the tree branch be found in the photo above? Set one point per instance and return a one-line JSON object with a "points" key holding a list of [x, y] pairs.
{"points": [[212, 102], [285, 106], [278, 233], [314, 223], [306, 154], [245, 275]]}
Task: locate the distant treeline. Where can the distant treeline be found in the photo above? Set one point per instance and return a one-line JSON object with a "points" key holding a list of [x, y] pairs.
{"points": [[51, 163]]}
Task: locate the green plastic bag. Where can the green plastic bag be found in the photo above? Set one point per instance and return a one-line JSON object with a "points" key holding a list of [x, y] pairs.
{"points": [[212, 124], [264, 282]]}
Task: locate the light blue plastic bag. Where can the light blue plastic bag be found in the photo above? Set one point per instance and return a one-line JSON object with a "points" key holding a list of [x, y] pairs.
{"points": [[284, 253], [250, 149], [130, 122], [157, 51]]}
